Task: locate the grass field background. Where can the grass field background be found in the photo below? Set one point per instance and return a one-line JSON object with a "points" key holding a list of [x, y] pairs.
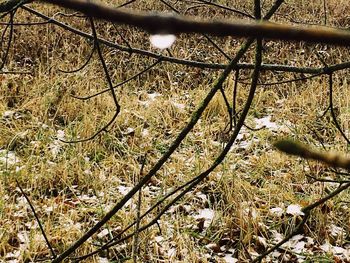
{"points": [[238, 211]]}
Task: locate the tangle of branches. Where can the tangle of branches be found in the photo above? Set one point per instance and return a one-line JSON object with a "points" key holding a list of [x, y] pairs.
{"points": [[254, 33]]}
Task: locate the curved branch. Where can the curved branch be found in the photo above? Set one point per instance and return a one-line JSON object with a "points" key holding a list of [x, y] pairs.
{"points": [[82, 66], [306, 210], [331, 108], [10, 38], [110, 88], [121, 83], [53, 254]]}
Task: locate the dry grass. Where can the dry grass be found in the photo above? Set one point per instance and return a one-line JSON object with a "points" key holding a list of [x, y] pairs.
{"points": [[74, 187]]}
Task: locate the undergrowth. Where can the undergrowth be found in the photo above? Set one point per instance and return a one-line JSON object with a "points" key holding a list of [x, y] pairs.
{"points": [[73, 185]]}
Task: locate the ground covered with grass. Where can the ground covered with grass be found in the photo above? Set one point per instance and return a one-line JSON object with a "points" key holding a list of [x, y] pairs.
{"points": [[246, 205]]}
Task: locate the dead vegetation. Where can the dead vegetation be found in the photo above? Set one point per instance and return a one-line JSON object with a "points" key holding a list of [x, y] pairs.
{"points": [[245, 206]]}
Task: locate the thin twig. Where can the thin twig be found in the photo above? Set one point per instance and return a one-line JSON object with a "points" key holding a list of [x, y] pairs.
{"points": [[121, 83], [53, 254], [135, 250], [306, 210], [331, 107], [110, 85], [234, 100], [84, 65], [227, 8], [10, 37]]}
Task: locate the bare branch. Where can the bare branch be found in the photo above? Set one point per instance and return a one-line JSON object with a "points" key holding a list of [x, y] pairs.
{"points": [[174, 24], [331, 108], [296, 148], [191, 63], [121, 83], [37, 220]]}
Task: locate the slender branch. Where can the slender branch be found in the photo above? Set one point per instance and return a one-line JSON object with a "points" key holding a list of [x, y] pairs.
{"points": [[82, 66], [135, 250], [324, 180], [191, 63], [194, 119], [326, 198], [121, 83], [331, 108], [37, 220], [324, 12], [110, 88], [286, 81], [298, 149], [174, 24], [234, 98], [227, 8], [127, 3], [10, 37]]}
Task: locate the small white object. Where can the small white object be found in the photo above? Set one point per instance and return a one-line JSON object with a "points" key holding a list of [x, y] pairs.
{"points": [[207, 214], [299, 247], [229, 259], [60, 135], [55, 148], [103, 233], [8, 158], [337, 232], [162, 41], [294, 210], [8, 114], [267, 123], [159, 239], [277, 211], [179, 106], [153, 96], [326, 247], [102, 260], [145, 133], [87, 172], [171, 252], [123, 189]]}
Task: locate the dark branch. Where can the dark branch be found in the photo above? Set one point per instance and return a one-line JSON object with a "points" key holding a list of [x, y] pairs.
{"points": [[174, 24]]}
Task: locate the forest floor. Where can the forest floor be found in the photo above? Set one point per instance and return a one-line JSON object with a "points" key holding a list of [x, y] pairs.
{"points": [[245, 206]]}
